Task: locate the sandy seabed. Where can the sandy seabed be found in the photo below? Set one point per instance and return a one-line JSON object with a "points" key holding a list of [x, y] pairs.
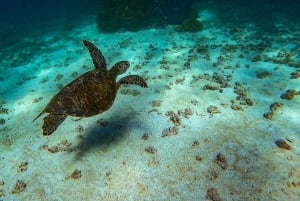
{"points": [[216, 122]]}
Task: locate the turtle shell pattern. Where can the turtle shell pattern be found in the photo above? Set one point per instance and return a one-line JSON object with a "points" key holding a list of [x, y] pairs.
{"points": [[90, 94]]}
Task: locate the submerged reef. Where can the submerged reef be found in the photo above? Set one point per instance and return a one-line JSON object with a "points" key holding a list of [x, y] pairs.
{"points": [[115, 15], [273, 107], [190, 25], [132, 15], [289, 94]]}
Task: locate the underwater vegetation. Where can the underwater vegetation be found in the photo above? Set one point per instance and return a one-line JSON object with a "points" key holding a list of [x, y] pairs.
{"points": [[133, 15], [190, 25]]}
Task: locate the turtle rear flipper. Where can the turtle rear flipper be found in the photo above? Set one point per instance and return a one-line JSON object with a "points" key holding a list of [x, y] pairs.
{"points": [[133, 79], [51, 123]]}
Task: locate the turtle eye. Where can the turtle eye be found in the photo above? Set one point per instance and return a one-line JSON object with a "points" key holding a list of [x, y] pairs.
{"points": [[124, 65]]}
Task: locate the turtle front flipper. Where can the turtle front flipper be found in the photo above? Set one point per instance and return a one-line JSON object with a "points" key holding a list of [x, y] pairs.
{"points": [[51, 123], [133, 79], [96, 54]]}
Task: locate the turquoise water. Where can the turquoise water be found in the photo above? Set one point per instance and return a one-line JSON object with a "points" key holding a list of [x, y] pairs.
{"points": [[218, 121]]}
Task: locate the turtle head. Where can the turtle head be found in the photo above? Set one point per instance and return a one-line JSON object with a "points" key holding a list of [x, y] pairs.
{"points": [[120, 67]]}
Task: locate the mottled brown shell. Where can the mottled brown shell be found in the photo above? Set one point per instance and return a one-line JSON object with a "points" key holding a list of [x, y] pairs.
{"points": [[92, 93]]}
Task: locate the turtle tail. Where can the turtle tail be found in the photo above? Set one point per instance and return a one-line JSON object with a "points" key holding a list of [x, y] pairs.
{"points": [[42, 112], [51, 123]]}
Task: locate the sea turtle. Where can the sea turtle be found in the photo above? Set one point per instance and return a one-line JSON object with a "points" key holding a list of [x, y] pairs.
{"points": [[90, 94]]}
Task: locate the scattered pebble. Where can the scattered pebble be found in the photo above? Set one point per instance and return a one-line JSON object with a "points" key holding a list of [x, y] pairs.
{"points": [[145, 136], [263, 75], [169, 131], [223, 81], [221, 161], [125, 43], [53, 149], [76, 174], [174, 118], [283, 144], [132, 92], [213, 195], [293, 184], [19, 187], [290, 138], [44, 80], [2, 121], [236, 107], [59, 85], [210, 87], [213, 110], [23, 166], [248, 102], [79, 129], [156, 103], [58, 77], [242, 97], [273, 107], [196, 143], [194, 102], [198, 158], [295, 75], [187, 112], [36, 100], [150, 150], [268, 115], [179, 81], [2, 194], [102, 123], [289, 94], [3, 110], [62, 146]]}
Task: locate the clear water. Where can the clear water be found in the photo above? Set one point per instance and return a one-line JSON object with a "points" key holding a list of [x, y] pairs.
{"points": [[218, 121]]}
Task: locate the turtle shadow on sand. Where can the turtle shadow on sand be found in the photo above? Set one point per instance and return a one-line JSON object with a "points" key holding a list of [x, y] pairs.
{"points": [[102, 137]]}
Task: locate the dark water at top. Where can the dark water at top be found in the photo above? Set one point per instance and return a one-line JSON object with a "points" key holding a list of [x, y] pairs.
{"points": [[19, 18]]}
